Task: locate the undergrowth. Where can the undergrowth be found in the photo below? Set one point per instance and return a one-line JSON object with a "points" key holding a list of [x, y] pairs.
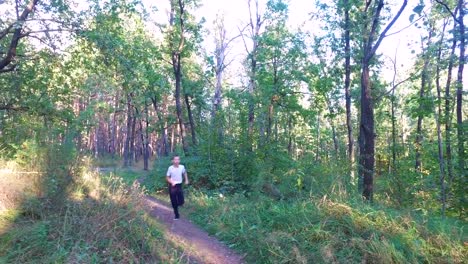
{"points": [[316, 230], [100, 220]]}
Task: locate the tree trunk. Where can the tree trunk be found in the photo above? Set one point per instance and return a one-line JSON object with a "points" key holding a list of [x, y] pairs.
{"points": [[460, 125], [164, 144], [146, 139], [191, 121], [347, 83], [133, 156], [366, 127], [113, 129], [9, 55], [366, 136], [126, 151], [290, 139], [448, 110], [255, 25], [424, 82], [176, 56], [392, 105], [220, 54], [180, 118], [438, 114]]}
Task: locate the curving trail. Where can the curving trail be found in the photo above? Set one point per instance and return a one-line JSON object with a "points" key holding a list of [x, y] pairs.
{"points": [[198, 245]]}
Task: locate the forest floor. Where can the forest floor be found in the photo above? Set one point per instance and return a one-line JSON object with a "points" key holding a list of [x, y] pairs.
{"points": [[198, 246]]}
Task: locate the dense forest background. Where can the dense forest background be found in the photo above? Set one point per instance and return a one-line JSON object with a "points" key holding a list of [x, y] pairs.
{"points": [[266, 108]]}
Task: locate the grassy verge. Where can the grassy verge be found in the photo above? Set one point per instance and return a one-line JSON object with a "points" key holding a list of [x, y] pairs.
{"points": [[99, 221], [324, 231]]}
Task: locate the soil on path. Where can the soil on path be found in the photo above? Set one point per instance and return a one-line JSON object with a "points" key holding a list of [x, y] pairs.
{"points": [[196, 243]]}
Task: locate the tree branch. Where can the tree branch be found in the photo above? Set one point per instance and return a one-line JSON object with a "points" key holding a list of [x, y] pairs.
{"points": [[453, 14], [387, 28], [17, 35]]}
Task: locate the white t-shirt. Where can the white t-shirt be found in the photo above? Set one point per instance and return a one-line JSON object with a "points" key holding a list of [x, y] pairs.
{"points": [[176, 173]]}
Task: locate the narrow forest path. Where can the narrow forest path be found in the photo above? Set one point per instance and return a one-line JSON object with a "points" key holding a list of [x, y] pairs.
{"points": [[198, 246]]}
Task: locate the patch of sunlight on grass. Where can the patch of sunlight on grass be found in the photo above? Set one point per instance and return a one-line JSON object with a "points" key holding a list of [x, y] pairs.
{"points": [[7, 217]]}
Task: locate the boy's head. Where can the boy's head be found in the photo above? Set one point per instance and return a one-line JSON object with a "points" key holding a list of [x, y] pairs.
{"points": [[176, 160]]}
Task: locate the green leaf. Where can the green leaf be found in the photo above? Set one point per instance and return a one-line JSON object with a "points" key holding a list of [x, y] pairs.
{"points": [[418, 9]]}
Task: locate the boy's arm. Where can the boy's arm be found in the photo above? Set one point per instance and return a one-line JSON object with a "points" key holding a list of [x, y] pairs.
{"points": [[169, 180], [168, 177], [186, 177]]}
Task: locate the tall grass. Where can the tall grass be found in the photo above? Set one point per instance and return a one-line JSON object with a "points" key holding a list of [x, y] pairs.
{"points": [[322, 230], [100, 219]]}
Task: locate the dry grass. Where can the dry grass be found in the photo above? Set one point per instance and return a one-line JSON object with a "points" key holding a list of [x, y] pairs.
{"points": [[16, 184], [101, 221]]}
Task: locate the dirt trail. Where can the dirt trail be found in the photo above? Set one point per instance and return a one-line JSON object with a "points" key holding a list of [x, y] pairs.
{"points": [[197, 244]]}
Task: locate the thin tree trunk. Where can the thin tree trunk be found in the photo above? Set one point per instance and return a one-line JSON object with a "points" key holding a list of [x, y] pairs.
{"points": [[146, 139], [347, 84], [176, 56], [180, 118], [392, 105], [319, 143], [438, 114], [172, 138], [162, 124], [220, 54], [132, 155], [255, 25], [126, 150], [113, 146], [191, 121], [460, 125], [448, 110], [424, 82], [290, 139]]}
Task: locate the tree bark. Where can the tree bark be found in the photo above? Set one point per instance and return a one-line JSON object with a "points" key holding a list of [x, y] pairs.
{"points": [[126, 151], [460, 125], [366, 127], [366, 136], [18, 28], [347, 83], [191, 121], [176, 56], [438, 114], [220, 54], [255, 25], [448, 110], [164, 144], [146, 140], [424, 81]]}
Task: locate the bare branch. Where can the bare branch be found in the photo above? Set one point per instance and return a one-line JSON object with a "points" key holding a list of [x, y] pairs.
{"points": [[398, 31], [387, 28]]}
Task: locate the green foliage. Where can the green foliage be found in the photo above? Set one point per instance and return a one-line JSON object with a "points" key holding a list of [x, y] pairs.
{"points": [[322, 231]]}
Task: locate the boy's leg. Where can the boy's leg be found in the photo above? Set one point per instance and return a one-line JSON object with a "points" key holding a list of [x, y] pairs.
{"points": [[174, 202], [180, 195]]}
